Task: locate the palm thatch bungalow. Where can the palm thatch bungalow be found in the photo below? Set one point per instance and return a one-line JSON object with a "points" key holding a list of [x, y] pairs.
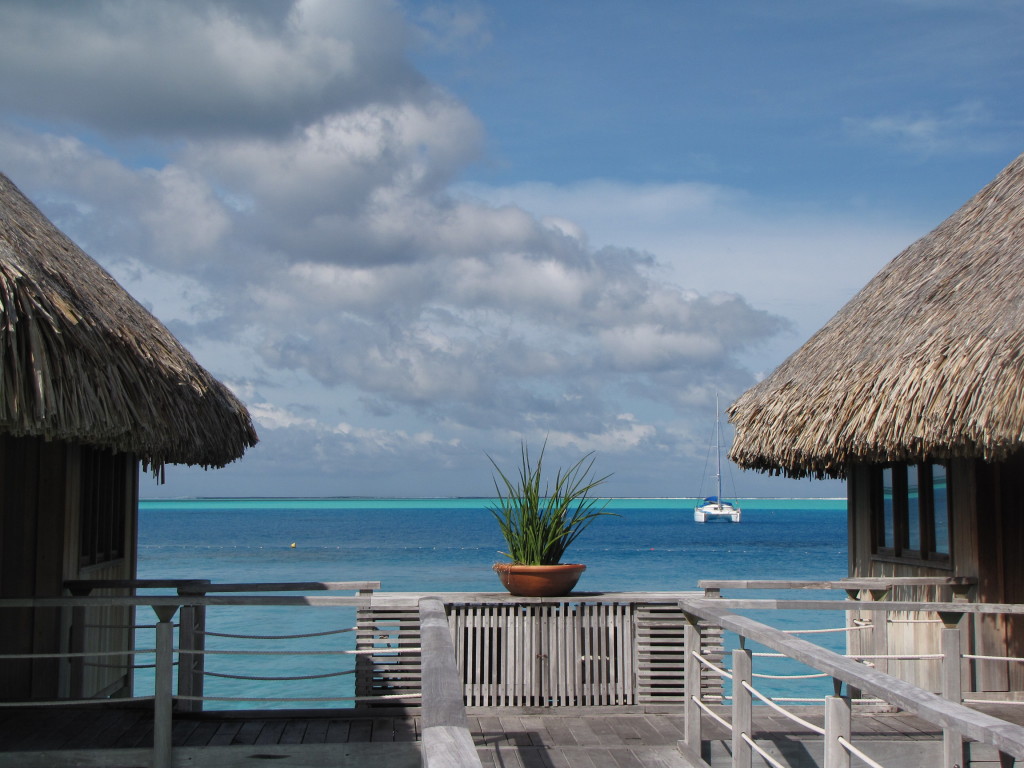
{"points": [[914, 392], [91, 385]]}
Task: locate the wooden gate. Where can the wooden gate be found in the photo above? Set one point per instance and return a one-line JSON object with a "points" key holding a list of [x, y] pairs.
{"points": [[545, 654], [542, 653]]}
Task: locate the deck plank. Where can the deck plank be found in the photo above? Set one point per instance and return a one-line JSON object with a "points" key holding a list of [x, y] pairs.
{"points": [[573, 757], [96, 731], [182, 730], [271, 732], [383, 729], [316, 732], [560, 732], [604, 731], [360, 729], [139, 735], [294, 732], [249, 732], [488, 730], [516, 734], [505, 738], [338, 731], [225, 734]]}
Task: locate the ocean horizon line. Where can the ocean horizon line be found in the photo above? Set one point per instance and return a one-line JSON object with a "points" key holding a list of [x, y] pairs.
{"points": [[469, 498]]}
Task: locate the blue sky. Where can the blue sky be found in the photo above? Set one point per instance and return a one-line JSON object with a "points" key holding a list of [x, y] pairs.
{"points": [[409, 234]]}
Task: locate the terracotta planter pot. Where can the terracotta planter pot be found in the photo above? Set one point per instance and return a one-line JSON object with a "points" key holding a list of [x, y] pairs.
{"points": [[539, 580]]}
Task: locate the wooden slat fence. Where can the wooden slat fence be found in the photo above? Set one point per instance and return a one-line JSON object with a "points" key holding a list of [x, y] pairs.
{"points": [[542, 652], [385, 673], [545, 654], [660, 656]]}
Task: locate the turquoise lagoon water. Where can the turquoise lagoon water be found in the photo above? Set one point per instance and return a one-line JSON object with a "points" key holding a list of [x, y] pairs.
{"points": [[447, 545]]}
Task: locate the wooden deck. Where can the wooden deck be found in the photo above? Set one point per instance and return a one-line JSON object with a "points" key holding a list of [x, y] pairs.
{"points": [[506, 738]]}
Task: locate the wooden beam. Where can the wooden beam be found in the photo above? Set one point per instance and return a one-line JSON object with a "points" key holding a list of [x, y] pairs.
{"points": [[880, 605], [447, 742], [865, 582]]}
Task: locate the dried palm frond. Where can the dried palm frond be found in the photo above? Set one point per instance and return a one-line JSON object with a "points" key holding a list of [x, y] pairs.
{"points": [[925, 362], [82, 361]]}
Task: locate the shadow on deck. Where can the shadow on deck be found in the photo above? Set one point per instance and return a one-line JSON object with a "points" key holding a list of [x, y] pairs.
{"points": [[509, 738]]}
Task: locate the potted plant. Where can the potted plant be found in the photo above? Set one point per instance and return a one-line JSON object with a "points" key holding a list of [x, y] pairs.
{"points": [[539, 522]]}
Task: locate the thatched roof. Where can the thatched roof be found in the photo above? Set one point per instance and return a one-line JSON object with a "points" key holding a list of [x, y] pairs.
{"points": [[926, 362], [82, 361]]}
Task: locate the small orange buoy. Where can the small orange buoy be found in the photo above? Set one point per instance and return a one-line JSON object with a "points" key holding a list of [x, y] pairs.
{"points": [[293, 545]]}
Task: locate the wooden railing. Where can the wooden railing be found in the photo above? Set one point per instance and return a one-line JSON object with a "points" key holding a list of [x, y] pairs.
{"points": [[877, 586], [446, 738], [195, 598], [191, 623], [447, 742], [956, 721]]}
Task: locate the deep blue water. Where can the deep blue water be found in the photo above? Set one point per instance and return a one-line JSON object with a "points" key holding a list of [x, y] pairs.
{"points": [[449, 545]]}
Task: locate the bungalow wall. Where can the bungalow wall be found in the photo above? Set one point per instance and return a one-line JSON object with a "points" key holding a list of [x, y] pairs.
{"points": [[67, 511], [986, 537]]}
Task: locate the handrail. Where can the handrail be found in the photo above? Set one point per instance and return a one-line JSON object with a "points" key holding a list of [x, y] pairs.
{"points": [[853, 582], [189, 604], [952, 716], [180, 600], [204, 585], [447, 742], [869, 605]]}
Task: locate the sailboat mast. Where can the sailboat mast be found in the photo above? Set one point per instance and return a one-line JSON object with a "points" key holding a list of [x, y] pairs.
{"points": [[718, 447]]}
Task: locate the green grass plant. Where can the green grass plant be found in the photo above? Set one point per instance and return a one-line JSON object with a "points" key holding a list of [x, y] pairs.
{"points": [[538, 521]]}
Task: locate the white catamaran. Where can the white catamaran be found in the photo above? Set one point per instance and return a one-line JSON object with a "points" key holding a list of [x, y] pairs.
{"points": [[713, 507]]}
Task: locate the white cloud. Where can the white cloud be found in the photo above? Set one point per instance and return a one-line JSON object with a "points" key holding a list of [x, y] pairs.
{"points": [[268, 416], [926, 132], [288, 202], [171, 68], [186, 218], [624, 434]]}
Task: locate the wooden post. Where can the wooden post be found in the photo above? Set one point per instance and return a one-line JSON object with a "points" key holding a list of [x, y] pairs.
{"points": [[837, 725], [880, 632], [446, 740], [853, 638], [965, 593], [742, 716], [76, 644], [191, 637], [691, 681], [952, 742], [162, 693]]}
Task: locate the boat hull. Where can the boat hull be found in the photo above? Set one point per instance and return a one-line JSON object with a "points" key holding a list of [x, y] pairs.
{"points": [[708, 513]]}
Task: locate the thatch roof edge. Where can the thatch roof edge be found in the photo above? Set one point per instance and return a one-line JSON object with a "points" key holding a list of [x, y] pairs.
{"points": [[82, 361], [926, 362]]}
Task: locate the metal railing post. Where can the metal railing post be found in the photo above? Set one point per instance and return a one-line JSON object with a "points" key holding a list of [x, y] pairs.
{"points": [[162, 692], [837, 726], [952, 742], [691, 682], [742, 716]]}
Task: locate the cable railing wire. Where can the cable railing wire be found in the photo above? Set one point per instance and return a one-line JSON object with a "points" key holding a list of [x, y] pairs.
{"points": [[305, 635], [858, 753], [761, 751], [782, 710]]}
